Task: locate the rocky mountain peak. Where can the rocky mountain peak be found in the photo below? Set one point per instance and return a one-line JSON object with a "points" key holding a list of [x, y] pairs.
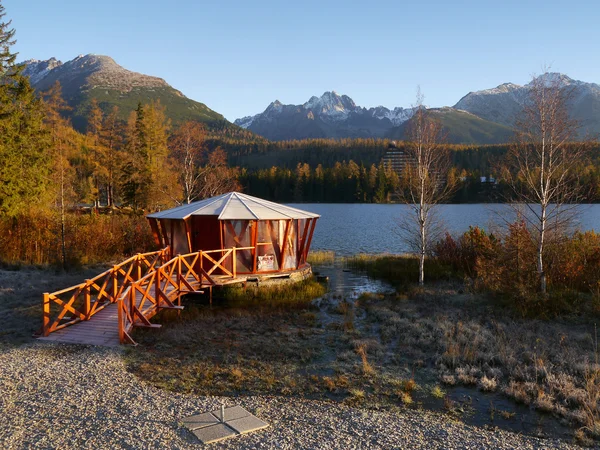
{"points": [[331, 104], [91, 71], [551, 78]]}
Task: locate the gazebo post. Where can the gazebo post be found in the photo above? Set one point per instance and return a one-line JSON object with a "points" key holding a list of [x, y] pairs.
{"points": [[254, 244], [285, 241], [188, 233], [307, 246], [300, 252], [155, 231]]}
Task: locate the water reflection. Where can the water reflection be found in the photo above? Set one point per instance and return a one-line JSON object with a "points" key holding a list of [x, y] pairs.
{"points": [[342, 282]]}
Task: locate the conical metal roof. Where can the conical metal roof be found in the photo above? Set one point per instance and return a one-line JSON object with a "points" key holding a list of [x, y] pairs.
{"points": [[235, 206]]}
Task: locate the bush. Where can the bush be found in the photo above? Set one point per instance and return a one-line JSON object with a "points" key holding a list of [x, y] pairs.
{"points": [[34, 238], [465, 253], [508, 267]]}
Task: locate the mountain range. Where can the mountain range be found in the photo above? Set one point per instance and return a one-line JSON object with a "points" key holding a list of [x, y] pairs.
{"points": [[503, 103], [481, 117], [100, 77]]}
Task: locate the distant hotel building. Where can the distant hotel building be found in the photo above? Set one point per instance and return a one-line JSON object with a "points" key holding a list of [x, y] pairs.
{"points": [[395, 158]]}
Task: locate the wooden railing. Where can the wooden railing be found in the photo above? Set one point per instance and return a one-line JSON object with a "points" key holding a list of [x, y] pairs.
{"points": [[163, 287], [76, 303]]}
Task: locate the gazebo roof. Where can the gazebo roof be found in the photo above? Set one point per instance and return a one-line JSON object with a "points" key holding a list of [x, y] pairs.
{"points": [[235, 206]]}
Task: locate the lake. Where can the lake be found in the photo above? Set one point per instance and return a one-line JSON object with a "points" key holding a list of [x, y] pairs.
{"points": [[350, 228]]}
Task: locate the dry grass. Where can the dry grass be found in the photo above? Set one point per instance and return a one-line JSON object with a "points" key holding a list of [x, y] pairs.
{"points": [[465, 340], [21, 293], [367, 368], [321, 257]]}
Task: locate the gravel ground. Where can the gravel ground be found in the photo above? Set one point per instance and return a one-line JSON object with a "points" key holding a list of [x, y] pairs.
{"points": [[61, 396]]}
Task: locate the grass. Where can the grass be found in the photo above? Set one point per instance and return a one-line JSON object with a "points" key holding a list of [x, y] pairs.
{"points": [[375, 352], [321, 257], [270, 341], [465, 340], [399, 270], [21, 291], [437, 392], [289, 295]]}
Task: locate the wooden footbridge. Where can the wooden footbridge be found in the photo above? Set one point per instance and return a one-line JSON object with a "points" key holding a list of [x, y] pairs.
{"points": [[105, 309]]}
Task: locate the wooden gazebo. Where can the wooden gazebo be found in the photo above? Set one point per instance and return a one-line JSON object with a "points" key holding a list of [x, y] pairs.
{"points": [[272, 238]]}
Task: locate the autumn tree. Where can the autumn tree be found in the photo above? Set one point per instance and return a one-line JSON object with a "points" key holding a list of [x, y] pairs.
{"points": [[424, 182], [216, 177], [188, 151], [164, 189], [112, 141], [63, 146], [540, 166], [97, 151]]}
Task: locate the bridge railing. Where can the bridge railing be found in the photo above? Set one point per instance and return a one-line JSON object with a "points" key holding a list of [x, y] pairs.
{"points": [[163, 287], [80, 302]]}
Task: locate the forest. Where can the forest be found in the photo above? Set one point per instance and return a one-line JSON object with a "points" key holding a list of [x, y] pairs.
{"points": [[102, 179]]}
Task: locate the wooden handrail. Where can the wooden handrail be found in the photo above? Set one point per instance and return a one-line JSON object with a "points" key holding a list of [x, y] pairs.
{"points": [[158, 289], [141, 286], [93, 295]]}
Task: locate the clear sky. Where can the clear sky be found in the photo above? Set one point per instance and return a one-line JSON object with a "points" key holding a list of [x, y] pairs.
{"points": [[238, 56]]}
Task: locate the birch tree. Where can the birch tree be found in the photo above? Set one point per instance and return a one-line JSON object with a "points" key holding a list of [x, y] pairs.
{"points": [[540, 165], [423, 182], [188, 149]]}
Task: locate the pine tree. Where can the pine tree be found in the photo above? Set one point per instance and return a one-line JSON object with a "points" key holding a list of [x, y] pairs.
{"points": [[7, 40], [23, 136], [135, 178]]}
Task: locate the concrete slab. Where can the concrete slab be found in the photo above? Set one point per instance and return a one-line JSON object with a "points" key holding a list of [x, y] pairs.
{"points": [[209, 428], [235, 412], [214, 433], [247, 424], [200, 421]]}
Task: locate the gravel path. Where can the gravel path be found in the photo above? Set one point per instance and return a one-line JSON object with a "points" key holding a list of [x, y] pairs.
{"points": [[61, 396]]}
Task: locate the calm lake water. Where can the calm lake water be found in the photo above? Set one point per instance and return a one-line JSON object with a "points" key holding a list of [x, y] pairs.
{"points": [[354, 228]]}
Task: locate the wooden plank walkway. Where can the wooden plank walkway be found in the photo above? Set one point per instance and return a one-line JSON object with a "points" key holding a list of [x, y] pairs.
{"points": [[103, 327]]}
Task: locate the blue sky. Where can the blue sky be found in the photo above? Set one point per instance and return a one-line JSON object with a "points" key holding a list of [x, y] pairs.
{"points": [[238, 56]]}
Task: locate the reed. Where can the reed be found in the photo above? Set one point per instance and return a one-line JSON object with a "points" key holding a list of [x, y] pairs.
{"points": [[321, 257]]}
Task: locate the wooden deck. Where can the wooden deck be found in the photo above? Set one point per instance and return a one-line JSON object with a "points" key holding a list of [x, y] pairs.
{"points": [[103, 327], [105, 309], [103, 330]]}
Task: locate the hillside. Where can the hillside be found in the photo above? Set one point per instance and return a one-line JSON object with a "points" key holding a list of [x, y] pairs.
{"points": [[100, 77], [503, 103], [463, 128]]}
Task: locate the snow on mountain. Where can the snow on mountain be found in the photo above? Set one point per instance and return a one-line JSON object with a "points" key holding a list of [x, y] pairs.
{"points": [[397, 116], [245, 122], [331, 115], [503, 103], [332, 105], [36, 70]]}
